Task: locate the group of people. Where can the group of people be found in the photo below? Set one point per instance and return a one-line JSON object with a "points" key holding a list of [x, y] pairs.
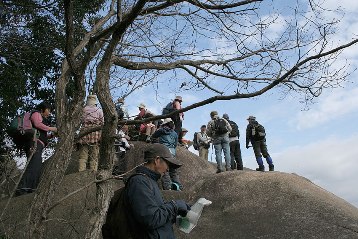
{"points": [[224, 134]]}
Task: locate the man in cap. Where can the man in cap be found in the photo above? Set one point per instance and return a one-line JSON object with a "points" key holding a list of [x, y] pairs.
{"points": [[219, 129], [147, 128], [89, 144], [255, 133], [203, 142], [149, 216], [121, 109], [235, 151]]}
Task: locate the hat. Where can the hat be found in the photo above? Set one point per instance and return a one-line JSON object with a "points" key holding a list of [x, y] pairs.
{"points": [[167, 120], [162, 151], [226, 116], [141, 105], [178, 98], [184, 130], [251, 118], [91, 100], [120, 100], [213, 113], [203, 126]]}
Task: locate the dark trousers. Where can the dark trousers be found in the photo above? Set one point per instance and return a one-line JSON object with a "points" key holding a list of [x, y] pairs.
{"points": [[178, 126], [235, 153], [31, 177]]}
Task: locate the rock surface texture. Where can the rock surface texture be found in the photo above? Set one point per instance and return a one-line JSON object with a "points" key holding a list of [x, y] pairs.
{"points": [[245, 204]]}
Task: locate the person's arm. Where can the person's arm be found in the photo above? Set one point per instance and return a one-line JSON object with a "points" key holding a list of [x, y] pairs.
{"points": [[145, 208], [157, 133], [228, 126], [248, 132], [36, 120], [209, 129]]}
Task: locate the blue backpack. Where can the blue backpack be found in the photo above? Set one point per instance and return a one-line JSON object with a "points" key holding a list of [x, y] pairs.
{"points": [[168, 108]]}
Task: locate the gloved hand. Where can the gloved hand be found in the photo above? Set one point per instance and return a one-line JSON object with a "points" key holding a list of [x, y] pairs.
{"points": [[182, 207]]}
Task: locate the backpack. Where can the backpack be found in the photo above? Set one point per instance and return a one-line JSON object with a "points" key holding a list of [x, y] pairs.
{"points": [[220, 126], [21, 130], [258, 132], [234, 129], [116, 225], [195, 141], [168, 109]]}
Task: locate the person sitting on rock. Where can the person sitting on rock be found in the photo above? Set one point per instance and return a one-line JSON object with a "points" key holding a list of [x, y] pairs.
{"points": [[147, 128], [185, 142]]}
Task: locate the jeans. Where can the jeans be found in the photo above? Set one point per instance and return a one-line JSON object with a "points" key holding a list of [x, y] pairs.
{"points": [[222, 143]]}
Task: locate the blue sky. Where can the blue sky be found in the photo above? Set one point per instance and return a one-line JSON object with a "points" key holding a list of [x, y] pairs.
{"points": [[319, 143]]}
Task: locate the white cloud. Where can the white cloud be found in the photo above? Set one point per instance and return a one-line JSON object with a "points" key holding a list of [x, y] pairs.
{"points": [[330, 163], [337, 104]]}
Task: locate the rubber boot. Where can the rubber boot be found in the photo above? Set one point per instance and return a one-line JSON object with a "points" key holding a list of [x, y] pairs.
{"points": [[260, 163], [261, 168]]}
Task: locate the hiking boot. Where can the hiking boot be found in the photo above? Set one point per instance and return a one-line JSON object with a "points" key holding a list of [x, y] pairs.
{"points": [[261, 168], [229, 169], [219, 171], [271, 168], [240, 167]]}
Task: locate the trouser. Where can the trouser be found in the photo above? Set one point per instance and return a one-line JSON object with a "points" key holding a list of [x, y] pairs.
{"points": [[235, 154], [169, 177], [119, 164], [203, 153], [178, 126], [31, 177], [222, 143], [260, 149], [88, 154]]}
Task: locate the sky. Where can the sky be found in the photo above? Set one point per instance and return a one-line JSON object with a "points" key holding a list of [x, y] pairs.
{"points": [[319, 143]]}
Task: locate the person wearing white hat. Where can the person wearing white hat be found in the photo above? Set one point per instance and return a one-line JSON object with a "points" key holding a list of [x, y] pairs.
{"points": [[168, 137], [89, 144], [147, 128], [255, 133]]}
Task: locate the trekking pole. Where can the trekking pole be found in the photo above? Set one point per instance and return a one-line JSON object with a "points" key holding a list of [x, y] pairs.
{"points": [[212, 150]]}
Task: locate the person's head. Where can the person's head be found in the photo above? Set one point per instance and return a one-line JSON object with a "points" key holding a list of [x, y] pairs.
{"points": [[168, 122], [141, 106], [226, 116], [251, 119], [178, 98], [203, 128], [125, 128], [44, 108], [158, 158], [120, 100], [184, 131], [91, 100], [213, 114]]}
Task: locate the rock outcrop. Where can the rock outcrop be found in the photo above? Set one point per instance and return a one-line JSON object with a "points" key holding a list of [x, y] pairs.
{"points": [[246, 204]]}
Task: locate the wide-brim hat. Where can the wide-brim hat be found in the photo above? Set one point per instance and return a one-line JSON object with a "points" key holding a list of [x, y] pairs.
{"points": [[184, 130], [91, 100], [167, 120], [141, 105], [251, 118], [178, 98], [160, 150], [213, 113]]}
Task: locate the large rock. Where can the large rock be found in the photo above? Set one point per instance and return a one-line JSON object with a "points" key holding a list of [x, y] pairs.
{"points": [[246, 204]]}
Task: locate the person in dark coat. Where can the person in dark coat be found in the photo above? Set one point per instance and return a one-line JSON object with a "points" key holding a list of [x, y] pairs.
{"points": [[149, 216]]}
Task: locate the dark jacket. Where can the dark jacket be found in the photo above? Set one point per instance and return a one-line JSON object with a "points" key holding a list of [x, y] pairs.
{"points": [[249, 136], [148, 215], [168, 137]]}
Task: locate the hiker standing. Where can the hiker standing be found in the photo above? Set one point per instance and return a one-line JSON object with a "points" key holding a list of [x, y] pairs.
{"points": [[168, 137], [149, 216], [147, 128], [32, 174], [235, 151], [203, 141], [255, 133], [185, 142], [218, 129], [89, 144], [121, 109]]}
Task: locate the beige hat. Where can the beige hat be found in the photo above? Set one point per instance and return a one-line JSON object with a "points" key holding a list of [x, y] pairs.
{"points": [[184, 130], [178, 98], [167, 120], [142, 106], [120, 100], [251, 118], [91, 100]]}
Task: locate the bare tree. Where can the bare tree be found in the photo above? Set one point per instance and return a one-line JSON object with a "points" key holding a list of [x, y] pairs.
{"points": [[231, 49]]}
